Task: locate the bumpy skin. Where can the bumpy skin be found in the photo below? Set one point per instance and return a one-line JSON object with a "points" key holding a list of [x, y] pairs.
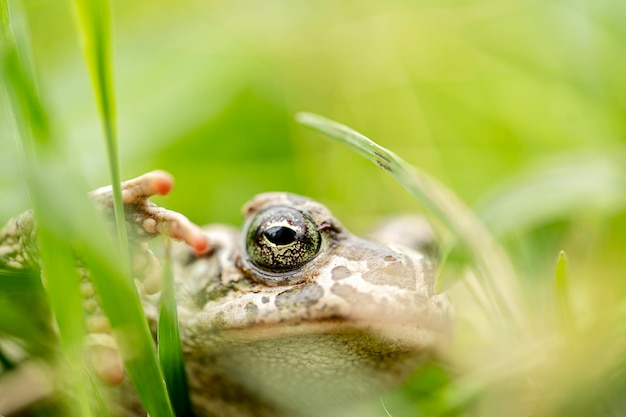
{"points": [[350, 322], [354, 320], [18, 242], [144, 221]]}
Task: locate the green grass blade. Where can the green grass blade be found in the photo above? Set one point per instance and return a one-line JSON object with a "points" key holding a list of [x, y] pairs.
{"points": [[62, 286], [66, 301], [123, 308], [561, 290], [20, 323], [92, 241], [170, 350], [19, 85], [488, 256], [57, 259], [94, 18], [52, 185], [26, 280]]}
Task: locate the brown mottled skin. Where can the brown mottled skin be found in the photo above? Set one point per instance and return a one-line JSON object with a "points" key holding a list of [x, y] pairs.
{"points": [[353, 320]]}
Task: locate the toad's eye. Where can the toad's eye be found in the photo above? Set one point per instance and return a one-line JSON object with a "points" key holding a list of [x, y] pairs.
{"points": [[281, 239], [281, 235]]}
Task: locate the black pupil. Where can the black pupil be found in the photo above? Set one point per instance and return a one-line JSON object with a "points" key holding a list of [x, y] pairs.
{"points": [[280, 235]]}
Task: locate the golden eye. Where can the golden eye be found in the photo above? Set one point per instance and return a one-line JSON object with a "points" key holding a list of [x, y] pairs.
{"points": [[281, 239]]}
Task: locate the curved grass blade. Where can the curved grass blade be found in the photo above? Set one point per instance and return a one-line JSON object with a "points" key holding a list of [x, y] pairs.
{"points": [[170, 351], [94, 18], [490, 259]]}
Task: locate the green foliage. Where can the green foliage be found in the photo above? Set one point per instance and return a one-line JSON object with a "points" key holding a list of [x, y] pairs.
{"points": [[488, 258], [561, 286], [94, 19], [57, 259], [170, 351], [516, 107], [66, 232]]}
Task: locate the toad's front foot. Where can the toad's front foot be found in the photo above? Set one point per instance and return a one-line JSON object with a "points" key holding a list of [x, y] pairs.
{"points": [[146, 219]]}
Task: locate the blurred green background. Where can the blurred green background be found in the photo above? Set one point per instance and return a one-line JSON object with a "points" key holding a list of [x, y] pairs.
{"points": [[471, 91], [517, 105]]}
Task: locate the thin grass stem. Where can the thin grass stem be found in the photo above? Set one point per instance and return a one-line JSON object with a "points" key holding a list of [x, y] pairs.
{"points": [[491, 260], [94, 17]]}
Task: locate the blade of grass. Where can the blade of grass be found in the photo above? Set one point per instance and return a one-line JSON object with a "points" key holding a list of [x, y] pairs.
{"points": [[26, 280], [561, 290], [17, 323], [94, 18], [91, 240], [57, 260], [100, 405], [52, 185], [64, 295], [19, 85], [170, 350], [487, 255]]}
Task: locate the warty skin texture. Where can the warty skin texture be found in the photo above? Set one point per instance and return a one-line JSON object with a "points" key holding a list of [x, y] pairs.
{"points": [[352, 319]]}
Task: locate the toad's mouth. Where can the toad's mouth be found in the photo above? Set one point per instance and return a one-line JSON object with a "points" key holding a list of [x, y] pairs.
{"points": [[318, 365], [398, 335]]}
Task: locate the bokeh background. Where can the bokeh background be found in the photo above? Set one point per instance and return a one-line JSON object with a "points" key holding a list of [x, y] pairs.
{"points": [[518, 106], [471, 91]]}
